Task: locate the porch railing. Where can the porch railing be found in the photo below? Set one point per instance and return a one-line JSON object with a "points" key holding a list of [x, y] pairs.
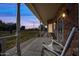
{"points": [[17, 31]]}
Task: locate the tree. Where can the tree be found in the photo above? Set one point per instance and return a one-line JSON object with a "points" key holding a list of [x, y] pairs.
{"points": [[7, 26], [22, 27], [11, 27], [2, 26], [41, 27], [0, 22]]}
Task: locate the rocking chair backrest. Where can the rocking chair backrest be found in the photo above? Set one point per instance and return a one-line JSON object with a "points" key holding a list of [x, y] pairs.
{"points": [[68, 41]]}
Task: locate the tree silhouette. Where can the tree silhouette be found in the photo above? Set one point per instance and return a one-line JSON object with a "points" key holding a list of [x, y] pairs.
{"points": [[22, 27], [7, 26], [0, 22], [42, 27]]}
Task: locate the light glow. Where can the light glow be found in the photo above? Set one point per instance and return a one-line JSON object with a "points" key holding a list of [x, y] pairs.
{"points": [[63, 15]]}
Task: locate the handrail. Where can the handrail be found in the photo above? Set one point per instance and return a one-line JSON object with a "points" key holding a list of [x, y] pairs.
{"points": [[7, 36], [68, 41]]}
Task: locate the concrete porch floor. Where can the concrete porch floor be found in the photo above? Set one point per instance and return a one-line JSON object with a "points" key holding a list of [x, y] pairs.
{"points": [[32, 47]]}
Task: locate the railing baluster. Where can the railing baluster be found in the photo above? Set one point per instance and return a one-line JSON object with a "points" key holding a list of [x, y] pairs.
{"points": [[3, 43]]}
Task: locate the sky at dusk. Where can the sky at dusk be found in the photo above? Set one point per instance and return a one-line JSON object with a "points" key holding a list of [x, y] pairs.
{"points": [[8, 14]]}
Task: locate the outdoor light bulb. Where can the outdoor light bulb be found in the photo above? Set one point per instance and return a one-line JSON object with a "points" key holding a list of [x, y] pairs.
{"points": [[63, 15], [46, 26]]}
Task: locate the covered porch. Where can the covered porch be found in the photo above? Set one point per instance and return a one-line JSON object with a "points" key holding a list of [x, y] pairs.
{"points": [[49, 15]]}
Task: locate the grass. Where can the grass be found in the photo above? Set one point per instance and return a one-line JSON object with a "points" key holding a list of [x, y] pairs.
{"points": [[25, 35]]}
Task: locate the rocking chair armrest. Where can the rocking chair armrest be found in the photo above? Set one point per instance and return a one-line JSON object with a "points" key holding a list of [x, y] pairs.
{"points": [[58, 43], [52, 51], [46, 47]]}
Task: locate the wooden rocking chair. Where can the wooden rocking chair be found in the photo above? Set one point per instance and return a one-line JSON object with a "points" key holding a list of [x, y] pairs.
{"points": [[56, 48]]}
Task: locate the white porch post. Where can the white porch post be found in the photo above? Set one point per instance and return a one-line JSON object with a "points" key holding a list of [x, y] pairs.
{"points": [[18, 30], [40, 28], [57, 30], [63, 41]]}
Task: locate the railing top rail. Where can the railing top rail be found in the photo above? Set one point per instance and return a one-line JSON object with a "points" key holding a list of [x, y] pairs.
{"points": [[7, 36]]}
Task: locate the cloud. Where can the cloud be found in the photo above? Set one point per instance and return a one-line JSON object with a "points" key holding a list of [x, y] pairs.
{"points": [[27, 21], [8, 14]]}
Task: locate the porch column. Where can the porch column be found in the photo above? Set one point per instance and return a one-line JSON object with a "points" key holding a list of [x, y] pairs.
{"points": [[18, 30], [40, 28], [63, 41], [57, 31]]}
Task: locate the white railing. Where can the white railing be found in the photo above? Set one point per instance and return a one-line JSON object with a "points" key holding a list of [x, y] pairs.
{"points": [[17, 31], [3, 43], [7, 36]]}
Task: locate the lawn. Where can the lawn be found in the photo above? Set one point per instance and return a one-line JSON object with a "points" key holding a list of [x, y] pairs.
{"points": [[25, 35]]}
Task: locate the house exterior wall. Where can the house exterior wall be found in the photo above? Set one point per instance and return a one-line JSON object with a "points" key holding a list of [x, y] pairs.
{"points": [[70, 20]]}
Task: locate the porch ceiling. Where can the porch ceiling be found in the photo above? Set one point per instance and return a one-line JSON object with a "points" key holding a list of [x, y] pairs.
{"points": [[44, 11]]}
